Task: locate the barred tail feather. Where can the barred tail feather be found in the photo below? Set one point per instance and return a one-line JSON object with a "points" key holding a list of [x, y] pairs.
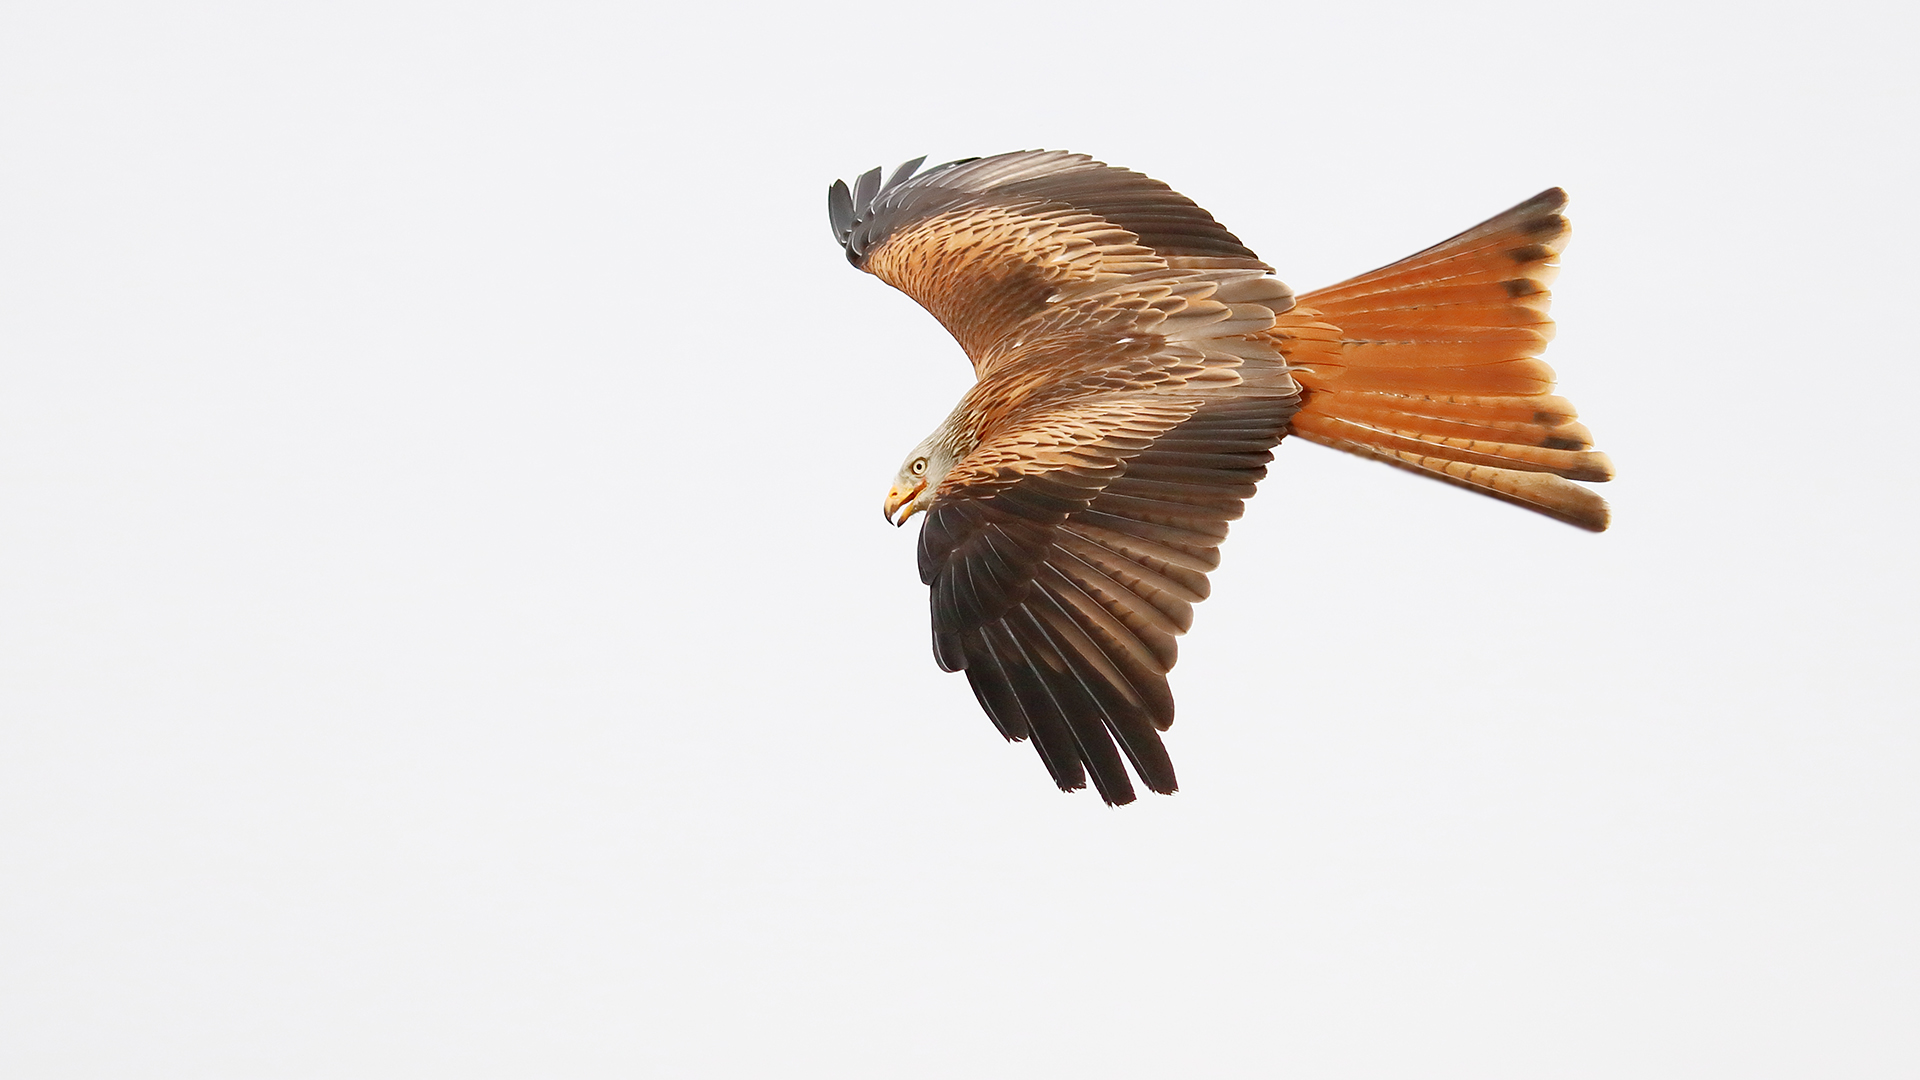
{"points": [[1543, 492], [1430, 364]]}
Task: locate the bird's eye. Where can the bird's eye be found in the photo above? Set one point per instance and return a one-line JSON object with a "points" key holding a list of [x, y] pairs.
{"points": [[919, 466]]}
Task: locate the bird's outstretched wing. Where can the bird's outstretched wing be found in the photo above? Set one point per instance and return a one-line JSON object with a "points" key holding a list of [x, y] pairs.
{"points": [[1060, 586], [1125, 409], [983, 243]]}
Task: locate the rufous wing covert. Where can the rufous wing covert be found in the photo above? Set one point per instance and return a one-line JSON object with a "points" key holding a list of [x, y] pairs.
{"points": [[1136, 365]]}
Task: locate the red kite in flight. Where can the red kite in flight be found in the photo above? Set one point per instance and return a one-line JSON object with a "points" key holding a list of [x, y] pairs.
{"points": [[1136, 366]]}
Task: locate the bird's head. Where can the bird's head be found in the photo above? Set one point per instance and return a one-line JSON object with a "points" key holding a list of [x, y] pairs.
{"points": [[919, 477]]}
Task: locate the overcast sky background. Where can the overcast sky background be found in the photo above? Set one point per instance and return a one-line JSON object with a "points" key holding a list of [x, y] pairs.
{"points": [[447, 628]]}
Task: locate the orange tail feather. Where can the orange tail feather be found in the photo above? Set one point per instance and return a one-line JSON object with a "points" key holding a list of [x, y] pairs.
{"points": [[1429, 364]]}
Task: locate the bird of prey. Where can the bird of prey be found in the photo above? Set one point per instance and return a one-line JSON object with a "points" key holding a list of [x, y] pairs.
{"points": [[1136, 364]]}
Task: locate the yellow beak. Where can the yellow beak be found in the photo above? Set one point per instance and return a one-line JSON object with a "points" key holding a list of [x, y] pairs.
{"points": [[897, 499]]}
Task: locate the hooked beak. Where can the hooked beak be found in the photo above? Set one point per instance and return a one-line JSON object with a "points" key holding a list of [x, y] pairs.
{"points": [[897, 499]]}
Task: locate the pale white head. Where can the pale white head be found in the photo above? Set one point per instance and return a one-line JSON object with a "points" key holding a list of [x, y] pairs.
{"points": [[920, 475]]}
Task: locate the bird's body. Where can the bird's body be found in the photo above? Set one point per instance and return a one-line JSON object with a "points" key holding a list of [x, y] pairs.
{"points": [[1136, 366]]}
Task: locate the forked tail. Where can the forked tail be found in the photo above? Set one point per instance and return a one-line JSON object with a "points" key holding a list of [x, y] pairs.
{"points": [[1431, 364]]}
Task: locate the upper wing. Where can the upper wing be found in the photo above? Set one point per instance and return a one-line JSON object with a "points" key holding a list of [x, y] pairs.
{"points": [[983, 244]]}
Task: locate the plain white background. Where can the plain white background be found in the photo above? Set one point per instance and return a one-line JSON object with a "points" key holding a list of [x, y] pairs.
{"points": [[447, 626]]}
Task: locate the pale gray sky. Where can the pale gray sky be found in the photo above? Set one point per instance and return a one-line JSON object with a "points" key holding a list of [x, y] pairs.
{"points": [[447, 628]]}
